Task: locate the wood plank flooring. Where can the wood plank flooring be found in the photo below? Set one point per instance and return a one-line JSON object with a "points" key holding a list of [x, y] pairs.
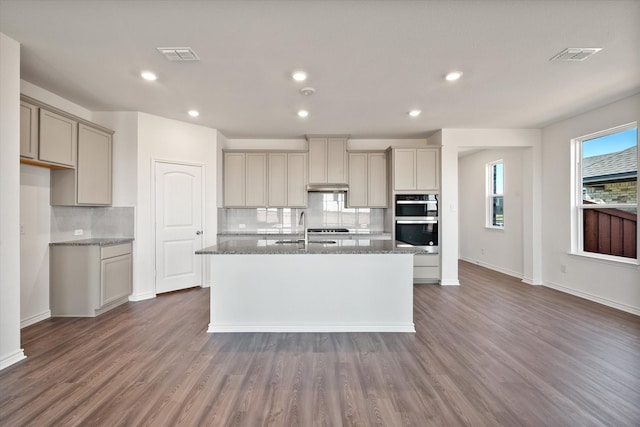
{"points": [[491, 352]]}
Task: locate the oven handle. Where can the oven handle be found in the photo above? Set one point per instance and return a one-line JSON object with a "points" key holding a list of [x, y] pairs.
{"points": [[426, 221], [416, 202]]}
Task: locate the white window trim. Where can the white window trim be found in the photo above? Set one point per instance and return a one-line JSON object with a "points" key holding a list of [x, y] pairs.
{"points": [[489, 195], [578, 208]]}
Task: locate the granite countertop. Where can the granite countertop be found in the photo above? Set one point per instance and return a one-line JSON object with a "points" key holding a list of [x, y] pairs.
{"points": [[97, 241], [342, 246], [267, 233]]}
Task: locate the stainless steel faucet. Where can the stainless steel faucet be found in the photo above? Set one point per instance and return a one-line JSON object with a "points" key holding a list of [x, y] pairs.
{"points": [[303, 221]]}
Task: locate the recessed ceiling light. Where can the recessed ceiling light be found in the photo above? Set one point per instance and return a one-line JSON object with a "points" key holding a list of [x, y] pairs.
{"points": [[303, 113], [299, 76], [148, 75], [415, 113], [194, 113], [453, 76]]}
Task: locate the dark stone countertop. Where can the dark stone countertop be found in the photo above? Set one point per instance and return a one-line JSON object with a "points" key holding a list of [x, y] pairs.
{"points": [[262, 246], [97, 241]]}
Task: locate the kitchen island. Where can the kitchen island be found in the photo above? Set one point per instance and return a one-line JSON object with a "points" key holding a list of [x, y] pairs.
{"points": [[259, 285]]}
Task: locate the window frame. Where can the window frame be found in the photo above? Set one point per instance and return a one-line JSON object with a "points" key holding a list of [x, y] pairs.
{"points": [[490, 195], [578, 207]]}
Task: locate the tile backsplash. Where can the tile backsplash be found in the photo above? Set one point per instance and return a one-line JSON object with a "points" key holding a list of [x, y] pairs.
{"points": [[323, 210], [94, 221]]}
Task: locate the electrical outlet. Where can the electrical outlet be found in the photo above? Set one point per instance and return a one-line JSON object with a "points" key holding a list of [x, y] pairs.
{"points": [[78, 232], [364, 225], [21, 229], [242, 226], [482, 251], [563, 268]]}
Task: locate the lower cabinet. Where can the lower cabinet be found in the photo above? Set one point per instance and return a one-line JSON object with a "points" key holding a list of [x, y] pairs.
{"points": [[87, 280], [426, 268]]}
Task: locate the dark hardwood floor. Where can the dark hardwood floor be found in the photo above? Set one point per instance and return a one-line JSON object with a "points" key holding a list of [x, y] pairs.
{"points": [[491, 352]]}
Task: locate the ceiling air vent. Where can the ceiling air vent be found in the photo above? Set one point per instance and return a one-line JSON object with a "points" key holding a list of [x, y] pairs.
{"points": [[179, 53], [576, 54]]}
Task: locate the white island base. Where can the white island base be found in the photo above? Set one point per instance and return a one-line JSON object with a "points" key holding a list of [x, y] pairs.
{"points": [[312, 293]]}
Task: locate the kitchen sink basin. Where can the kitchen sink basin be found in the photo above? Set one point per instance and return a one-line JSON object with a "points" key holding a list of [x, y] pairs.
{"points": [[295, 242]]}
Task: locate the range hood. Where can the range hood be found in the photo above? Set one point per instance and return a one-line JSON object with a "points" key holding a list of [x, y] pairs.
{"points": [[327, 188]]}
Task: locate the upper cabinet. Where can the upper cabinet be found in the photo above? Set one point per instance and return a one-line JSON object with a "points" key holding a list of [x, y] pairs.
{"points": [[28, 130], [94, 166], [367, 180], [47, 138], [245, 179], [255, 179], [416, 169], [261, 179], [287, 180], [89, 184], [58, 138], [328, 160], [78, 152]]}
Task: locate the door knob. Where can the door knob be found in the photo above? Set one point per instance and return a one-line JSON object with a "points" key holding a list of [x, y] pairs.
{"points": [[199, 232]]}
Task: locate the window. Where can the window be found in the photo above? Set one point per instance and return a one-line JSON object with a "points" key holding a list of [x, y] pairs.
{"points": [[495, 194], [607, 194]]}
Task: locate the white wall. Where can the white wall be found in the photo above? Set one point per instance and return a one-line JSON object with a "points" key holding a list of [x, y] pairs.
{"points": [[452, 140], [35, 235], [165, 139], [54, 100], [498, 249], [610, 283], [10, 351]]}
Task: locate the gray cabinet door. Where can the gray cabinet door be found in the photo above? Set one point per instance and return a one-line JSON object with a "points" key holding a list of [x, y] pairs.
{"points": [[404, 169], [58, 138], [337, 161], [115, 280], [317, 160], [297, 180], [255, 180], [427, 169], [94, 166], [277, 180], [234, 180], [358, 180], [28, 130], [377, 185]]}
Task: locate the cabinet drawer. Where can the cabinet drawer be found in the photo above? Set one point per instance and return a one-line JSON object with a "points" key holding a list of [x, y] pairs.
{"points": [[426, 272], [115, 250], [426, 260]]}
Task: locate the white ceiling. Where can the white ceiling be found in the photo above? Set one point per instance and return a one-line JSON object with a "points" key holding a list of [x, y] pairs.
{"points": [[369, 61]]}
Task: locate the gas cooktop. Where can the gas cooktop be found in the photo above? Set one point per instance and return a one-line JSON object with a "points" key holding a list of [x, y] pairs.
{"points": [[328, 230]]}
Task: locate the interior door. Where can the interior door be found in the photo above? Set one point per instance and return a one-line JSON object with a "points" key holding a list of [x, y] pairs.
{"points": [[178, 215]]}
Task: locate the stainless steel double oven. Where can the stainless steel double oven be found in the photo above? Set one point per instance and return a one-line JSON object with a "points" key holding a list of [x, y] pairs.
{"points": [[416, 220]]}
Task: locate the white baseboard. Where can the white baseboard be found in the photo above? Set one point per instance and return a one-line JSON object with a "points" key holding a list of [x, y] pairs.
{"points": [[449, 283], [494, 268], [594, 298], [12, 358], [142, 296], [35, 319], [530, 281], [347, 327]]}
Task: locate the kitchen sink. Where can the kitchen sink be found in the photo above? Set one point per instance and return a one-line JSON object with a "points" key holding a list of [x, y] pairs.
{"points": [[295, 242]]}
